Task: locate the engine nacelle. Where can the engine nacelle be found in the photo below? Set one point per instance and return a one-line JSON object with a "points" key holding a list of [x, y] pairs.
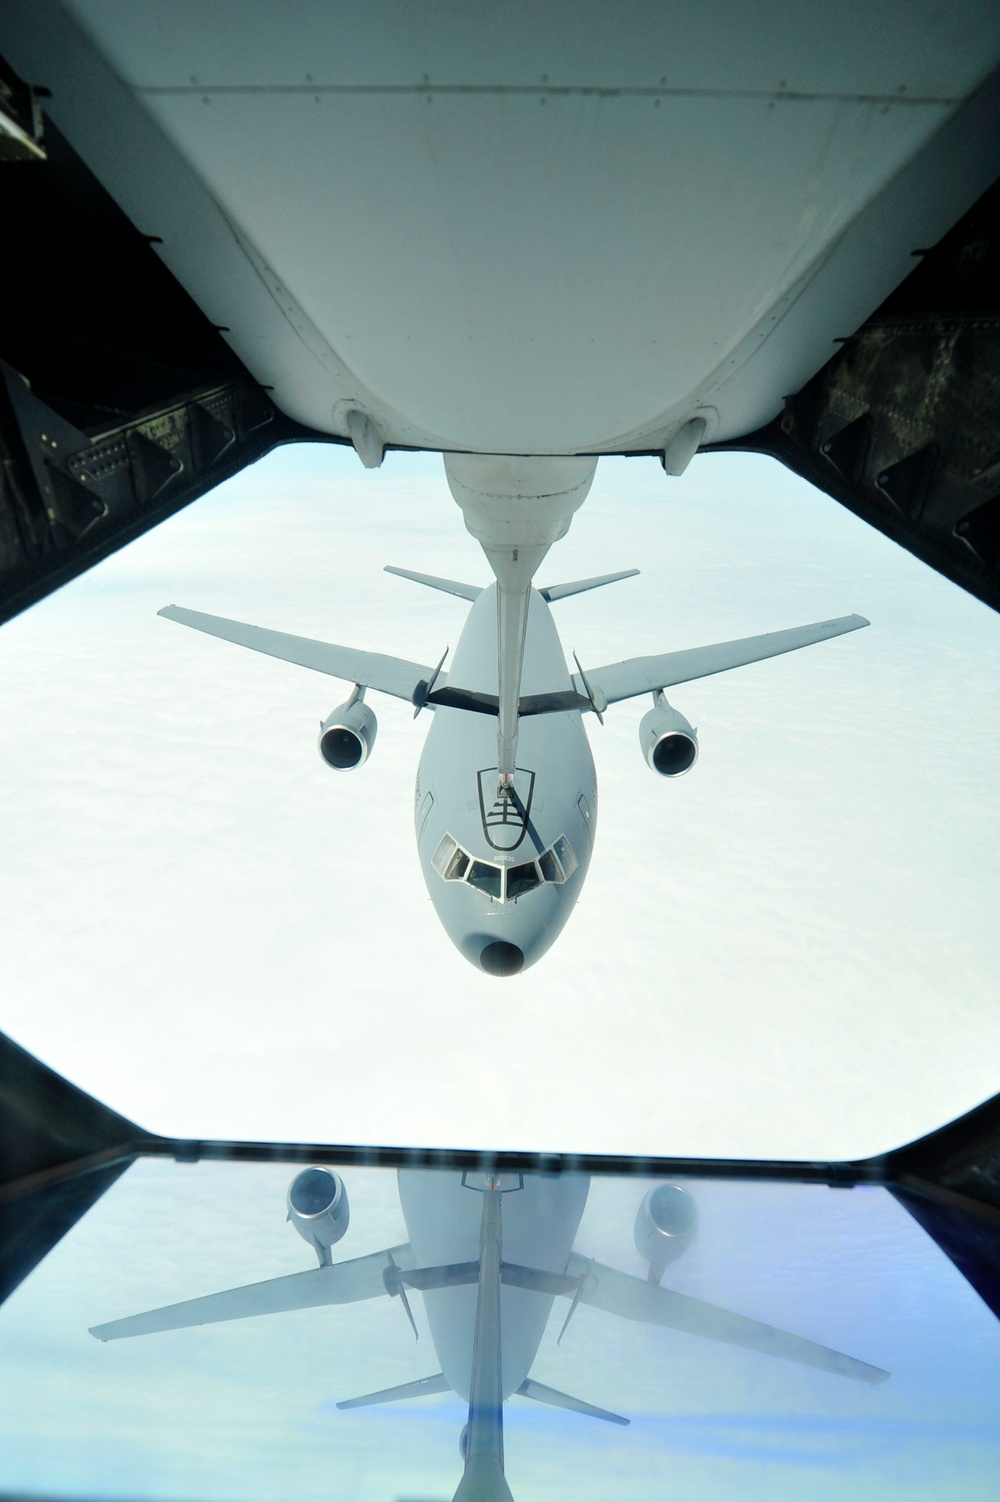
{"points": [[346, 736], [664, 1227], [318, 1209], [668, 742]]}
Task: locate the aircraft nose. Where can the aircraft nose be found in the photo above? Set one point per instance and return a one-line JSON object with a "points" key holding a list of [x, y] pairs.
{"points": [[501, 958]]}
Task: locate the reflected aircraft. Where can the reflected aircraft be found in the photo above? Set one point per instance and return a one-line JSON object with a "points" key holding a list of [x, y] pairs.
{"points": [[490, 1253], [506, 794]]}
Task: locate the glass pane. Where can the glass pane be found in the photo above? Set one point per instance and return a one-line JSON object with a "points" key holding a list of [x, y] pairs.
{"points": [[246, 1410], [457, 866], [547, 865], [443, 854], [563, 851], [485, 878], [522, 879]]}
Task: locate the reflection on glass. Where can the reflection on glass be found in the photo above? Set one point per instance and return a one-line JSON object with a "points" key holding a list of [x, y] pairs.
{"points": [[743, 1330], [444, 854], [521, 879], [563, 852], [485, 878], [449, 860]]}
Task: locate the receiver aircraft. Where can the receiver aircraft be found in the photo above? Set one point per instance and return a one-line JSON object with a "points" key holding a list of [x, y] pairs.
{"points": [[506, 794], [490, 1253]]}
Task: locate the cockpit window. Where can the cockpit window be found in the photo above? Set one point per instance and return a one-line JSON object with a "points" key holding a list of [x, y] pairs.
{"points": [[521, 879], [450, 860], [453, 863], [485, 878], [563, 852]]}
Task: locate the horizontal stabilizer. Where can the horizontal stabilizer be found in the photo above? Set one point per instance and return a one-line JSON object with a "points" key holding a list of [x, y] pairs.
{"points": [[641, 675], [633, 1298], [529, 1388], [389, 675], [447, 586], [450, 1275], [343, 1283], [424, 1387], [554, 592]]}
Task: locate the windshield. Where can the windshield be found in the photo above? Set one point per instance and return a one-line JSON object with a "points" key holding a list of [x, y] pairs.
{"points": [[504, 883], [486, 878], [522, 879], [249, 1408]]}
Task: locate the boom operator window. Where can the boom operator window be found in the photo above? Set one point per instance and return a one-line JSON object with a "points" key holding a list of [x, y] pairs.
{"points": [[504, 884]]}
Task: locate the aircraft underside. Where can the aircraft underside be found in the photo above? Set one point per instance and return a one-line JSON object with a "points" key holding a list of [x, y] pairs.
{"points": [[671, 233]]}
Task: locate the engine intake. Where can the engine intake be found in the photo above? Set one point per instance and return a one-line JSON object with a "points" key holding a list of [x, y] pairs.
{"points": [[664, 1227], [318, 1209], [346, 736], [668, 742]]}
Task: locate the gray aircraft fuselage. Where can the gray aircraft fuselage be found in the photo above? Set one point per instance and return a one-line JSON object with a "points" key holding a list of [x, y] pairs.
{"points": [[555, 799], [443, 1214]]}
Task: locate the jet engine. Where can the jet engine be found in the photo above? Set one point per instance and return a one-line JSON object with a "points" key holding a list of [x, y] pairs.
{"points": [[346, 736], [668, 742], [318, 1209], [665, 1227]]}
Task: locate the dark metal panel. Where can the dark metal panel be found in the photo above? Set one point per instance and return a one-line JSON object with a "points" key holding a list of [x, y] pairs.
{"points": [[32, 1224], [902, 426], [59, 1151], [120, 403]]}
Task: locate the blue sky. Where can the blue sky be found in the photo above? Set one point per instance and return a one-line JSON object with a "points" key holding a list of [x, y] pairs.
{"points": [[790, 951]]}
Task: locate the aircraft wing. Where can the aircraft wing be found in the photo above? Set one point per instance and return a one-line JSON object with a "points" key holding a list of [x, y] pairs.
{"points": [[640, 675], [389, 675], [632, 1298], [343, 1283]]}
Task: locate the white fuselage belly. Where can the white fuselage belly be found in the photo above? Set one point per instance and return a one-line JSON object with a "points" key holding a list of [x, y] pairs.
{"points": [[554, 237], [456, 789], [443, 1214]]}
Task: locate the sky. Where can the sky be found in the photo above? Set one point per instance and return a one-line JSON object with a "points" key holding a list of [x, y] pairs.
{"points": [[791, 951]]}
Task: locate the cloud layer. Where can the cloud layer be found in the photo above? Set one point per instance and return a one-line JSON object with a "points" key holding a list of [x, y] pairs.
{"points": [[791, 951]]}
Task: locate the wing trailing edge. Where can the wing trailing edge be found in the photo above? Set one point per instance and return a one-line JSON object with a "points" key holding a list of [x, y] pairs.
{"points": [[343, 1283], [387, 675], [641, 675]]}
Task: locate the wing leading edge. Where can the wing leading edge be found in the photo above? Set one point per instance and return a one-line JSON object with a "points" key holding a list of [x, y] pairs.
{"points": [[343, 1283], [388, 675], [632, 1298], [640, 675]]}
